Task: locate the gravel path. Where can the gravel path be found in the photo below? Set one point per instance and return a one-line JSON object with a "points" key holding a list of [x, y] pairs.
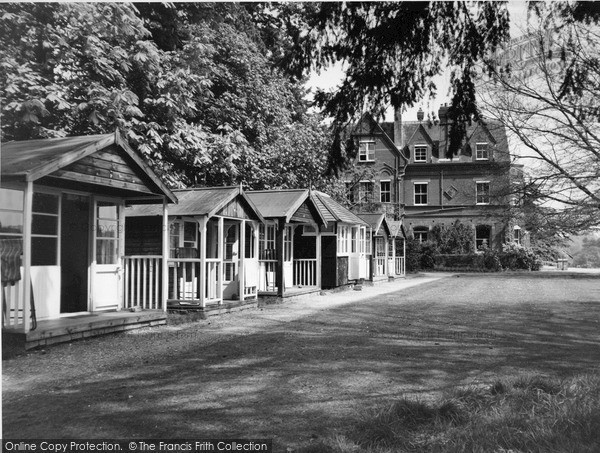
{"points": [[301, 370]]}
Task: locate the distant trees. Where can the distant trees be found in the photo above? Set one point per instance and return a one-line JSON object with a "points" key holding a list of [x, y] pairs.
{"points": [[193, 86]]}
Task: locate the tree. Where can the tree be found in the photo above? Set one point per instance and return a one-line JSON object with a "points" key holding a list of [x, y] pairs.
{"points": [[551, 108], [391, 51]]}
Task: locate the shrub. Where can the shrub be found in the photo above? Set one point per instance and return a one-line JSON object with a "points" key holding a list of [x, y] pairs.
{"points": [[420, 255], [515, 256]]}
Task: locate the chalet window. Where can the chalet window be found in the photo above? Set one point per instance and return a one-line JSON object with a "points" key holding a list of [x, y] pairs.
{"points": [[482, 236], [353, 240], [420, 193], [420, 153], [362, 240], [368, 246], [366, 151], [420, 233], [287, 243], [11, 214], [266, 242], [342, 238], [482, 192], [184, 234], [365, 192], [481, 151], [44, 230], [385, 196], [107, 233], [249, 241]]}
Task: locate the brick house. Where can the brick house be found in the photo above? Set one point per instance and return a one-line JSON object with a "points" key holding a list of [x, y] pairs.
{"points": [[401, 169]]}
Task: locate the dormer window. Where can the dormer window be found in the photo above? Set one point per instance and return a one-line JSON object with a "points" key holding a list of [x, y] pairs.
{"points": [[420, 153], [481, 151], [366, 150]]}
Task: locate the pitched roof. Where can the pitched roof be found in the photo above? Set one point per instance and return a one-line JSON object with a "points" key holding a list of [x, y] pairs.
{"points": [[376, 222], [204, 201], [332, 211], [34, 159], [280, 203]]}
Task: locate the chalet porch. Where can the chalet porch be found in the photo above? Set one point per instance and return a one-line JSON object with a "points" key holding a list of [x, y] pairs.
{"points": [[84, 325]]}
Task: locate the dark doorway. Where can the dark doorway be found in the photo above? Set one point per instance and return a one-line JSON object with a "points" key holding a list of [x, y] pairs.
{"points": [[328, 261], [74, 254]]}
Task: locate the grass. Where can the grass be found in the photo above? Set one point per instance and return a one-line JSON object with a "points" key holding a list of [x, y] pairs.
{"points": [[526, 414]]}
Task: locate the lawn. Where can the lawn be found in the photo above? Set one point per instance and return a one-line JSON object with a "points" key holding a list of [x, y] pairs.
{"points": [[311, 378]]}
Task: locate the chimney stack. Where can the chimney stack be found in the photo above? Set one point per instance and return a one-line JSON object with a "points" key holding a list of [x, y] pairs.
{"points": [[398, 131], [420, 115], [443, 114]]}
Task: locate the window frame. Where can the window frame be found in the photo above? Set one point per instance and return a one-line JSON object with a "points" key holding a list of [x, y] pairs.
{"points": [[366, 154], [420, 147], [485, 152], [387, 192], [365, 196], [420, 194], [485, 196], [421, 233]]}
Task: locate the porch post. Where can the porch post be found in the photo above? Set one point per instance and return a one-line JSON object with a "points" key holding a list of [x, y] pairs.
{"points": [[404, 255], [318, 255], [203, 271], [221, 269], [27, 218], [242, 270], [165, 255], [393, 271], [279, 246]]}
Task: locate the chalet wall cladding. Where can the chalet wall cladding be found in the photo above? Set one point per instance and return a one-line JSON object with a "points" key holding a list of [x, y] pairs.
{"points": [[402, 169]]}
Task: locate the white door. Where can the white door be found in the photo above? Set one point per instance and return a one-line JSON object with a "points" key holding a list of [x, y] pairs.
{"points": [[107, 284], [231, 262]]}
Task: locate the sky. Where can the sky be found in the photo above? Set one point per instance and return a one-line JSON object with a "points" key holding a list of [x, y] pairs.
{"points": [[328, 79]]}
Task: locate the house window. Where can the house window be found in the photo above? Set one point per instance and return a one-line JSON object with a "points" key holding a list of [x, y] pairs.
{"points": [[266, 242], [481, 151], [420, 233], [366, 151], [517, 236], [420, 193], [365, 192], [482, 192], [483, 235], [385, 195], [420, 153]]}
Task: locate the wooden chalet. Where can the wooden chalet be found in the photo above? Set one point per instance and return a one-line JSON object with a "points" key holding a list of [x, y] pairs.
{"points": [[62, 237], [290, 242], [343, 243], [385, 252], [212, 241]]}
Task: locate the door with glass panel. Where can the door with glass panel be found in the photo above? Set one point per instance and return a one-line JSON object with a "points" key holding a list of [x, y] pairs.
{"points": [[108, 249]]}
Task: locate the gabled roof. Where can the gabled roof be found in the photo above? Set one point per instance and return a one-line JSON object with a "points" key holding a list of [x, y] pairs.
{"points": [[397, 228], [376, 128], [31, 160], [282, 203], [204, 201], [332, 211], [376, 221]]}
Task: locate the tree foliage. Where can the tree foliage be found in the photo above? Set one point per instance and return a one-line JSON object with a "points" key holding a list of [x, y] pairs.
{"points": [[192, 86], [391, 52]]}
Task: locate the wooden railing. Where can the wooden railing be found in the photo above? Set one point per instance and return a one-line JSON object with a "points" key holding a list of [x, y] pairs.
{"points": [[266, 275], [305, 272], [400, 269], [143, 282], [13, 304], [380, 266]]}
